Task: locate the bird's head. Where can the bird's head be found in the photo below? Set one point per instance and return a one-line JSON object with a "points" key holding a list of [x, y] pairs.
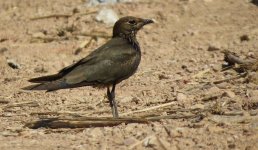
{"points": [[129, 26]]}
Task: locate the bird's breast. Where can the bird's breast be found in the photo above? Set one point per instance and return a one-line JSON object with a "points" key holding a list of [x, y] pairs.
{"points": [[132, 61]]}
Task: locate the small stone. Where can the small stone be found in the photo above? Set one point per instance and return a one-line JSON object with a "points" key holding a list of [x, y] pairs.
{"points": [[3, 39], [197, 106], [130, 141], [216, 68], [231, 146], [223, 85], [213, 90], [40, 69], [38, 35], [76, 10], [108, 16], [97, 2], [3, 49], [163, 76], [184, 67], [229, 94], [13, 64], [214, 47], [251, 54], [214, 129], [244, 38], [181, 97], [150, 141], [61, 33]]}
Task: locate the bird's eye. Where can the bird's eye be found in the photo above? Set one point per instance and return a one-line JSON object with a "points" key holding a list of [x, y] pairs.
{"points": [[132, 21]]}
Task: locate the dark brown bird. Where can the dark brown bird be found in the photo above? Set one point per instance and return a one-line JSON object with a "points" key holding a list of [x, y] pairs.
{"points": [[108, 65]]}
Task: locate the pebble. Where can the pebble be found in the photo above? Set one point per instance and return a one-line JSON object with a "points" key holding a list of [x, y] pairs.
{"points": [[181, 97], [97, 2], [38, 35], [130, 141], [223, 85], [244, 38], [162, 76], [230, 94], [3, 39], [216, 68], [197, 106], [214, 47], [13, 64], [150, 141], [40, 69], [108, 16], [3, 49]]}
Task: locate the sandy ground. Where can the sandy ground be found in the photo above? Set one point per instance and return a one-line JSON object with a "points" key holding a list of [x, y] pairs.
{"points": [[176, 64]]}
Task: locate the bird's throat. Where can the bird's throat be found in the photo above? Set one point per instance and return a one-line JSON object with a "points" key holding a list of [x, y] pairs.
{"points": [[131, 38]]}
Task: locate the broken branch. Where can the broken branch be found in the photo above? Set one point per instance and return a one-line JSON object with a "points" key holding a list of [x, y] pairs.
{"points": [[82, 122]]}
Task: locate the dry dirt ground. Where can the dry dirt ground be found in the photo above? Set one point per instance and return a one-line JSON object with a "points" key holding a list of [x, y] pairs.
{"points": [[181, 59]]}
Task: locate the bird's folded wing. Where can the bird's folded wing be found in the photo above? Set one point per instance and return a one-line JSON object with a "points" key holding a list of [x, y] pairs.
{"points": [[103, 71]]}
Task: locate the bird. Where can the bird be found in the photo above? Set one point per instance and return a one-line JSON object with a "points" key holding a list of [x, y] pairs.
{"points": [[105, 67]]}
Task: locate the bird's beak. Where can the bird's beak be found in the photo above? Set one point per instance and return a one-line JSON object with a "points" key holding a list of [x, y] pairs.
{"points": [[147, 21], [143, 22]]}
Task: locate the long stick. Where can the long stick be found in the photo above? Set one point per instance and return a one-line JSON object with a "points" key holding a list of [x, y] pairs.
{"points": [[149, 109]]}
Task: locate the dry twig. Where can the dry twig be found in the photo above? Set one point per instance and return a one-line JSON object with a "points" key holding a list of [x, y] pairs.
{"points": [[4, 101], [211, 97], [59, 113], [174, 116], [51, 16], [231, 78], [84, 44], [29, 103], [233, 113], [149, 109]]}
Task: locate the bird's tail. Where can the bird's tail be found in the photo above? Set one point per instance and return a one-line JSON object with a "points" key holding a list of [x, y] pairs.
{"points": [[48, 78], [48, 86]]}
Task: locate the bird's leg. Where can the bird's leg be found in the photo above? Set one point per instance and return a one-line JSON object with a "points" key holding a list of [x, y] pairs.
{"points": [[110, 99], [112, 102]]}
